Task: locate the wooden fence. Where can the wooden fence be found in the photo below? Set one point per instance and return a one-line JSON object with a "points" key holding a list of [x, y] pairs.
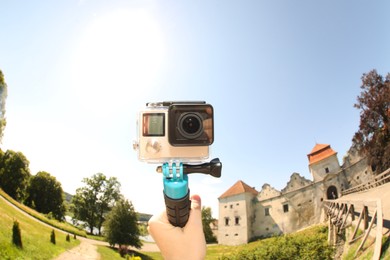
{"points": [[378, 180], [342, 213]]}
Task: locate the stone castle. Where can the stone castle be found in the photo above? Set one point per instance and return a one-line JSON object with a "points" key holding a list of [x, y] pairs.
{"points": [[246, 214]]}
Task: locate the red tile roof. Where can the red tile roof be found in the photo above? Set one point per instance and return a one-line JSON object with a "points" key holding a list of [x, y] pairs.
{"points": [[320, 152], [238, 188]]}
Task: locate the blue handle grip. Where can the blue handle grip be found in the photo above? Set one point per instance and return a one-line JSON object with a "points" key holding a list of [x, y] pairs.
{"points": [[176, 194]]}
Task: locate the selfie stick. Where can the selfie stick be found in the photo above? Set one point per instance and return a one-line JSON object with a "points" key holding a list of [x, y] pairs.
{"points": [[176, 191]]}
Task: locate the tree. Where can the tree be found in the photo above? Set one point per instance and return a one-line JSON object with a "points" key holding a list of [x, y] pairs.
{"points": [[207, 219], [16, 235], [53, 237], [121, 226], [373, 137], [45, 194], [93, 201], [14, 174], [3, 97]]}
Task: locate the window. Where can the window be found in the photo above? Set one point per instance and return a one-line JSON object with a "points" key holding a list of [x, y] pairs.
{"points": [[231, 206], [285, 208], [237, 221], [326, 170], [226, 221], [266, 211]]}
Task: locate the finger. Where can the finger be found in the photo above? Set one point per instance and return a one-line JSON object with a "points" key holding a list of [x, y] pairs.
{"points": [[196, 202]]}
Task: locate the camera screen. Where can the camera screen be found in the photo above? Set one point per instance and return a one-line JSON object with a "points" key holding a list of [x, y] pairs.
{"points": [[153, 124]]}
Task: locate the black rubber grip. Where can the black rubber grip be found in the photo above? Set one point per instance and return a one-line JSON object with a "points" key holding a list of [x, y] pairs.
{"points": [[178, 210]]}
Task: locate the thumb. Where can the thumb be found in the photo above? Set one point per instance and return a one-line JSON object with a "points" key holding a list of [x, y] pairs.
{"points": [[196, 202], [195, 219]]}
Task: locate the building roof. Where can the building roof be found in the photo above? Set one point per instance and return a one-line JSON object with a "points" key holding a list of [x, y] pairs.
{"points": [[238, 188], [320, 152]]}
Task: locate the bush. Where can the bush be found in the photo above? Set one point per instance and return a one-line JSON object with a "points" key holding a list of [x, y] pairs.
{"points": [[53, 237], [16, 235], [309, 244]]}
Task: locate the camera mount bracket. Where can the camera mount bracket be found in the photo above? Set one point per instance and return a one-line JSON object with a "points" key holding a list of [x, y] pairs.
{"points": [[176, 191]]}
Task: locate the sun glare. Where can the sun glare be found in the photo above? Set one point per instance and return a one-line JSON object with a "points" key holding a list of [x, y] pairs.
{"points": [[120, 54]]}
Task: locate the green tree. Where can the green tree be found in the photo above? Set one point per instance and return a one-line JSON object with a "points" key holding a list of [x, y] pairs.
{"points": [[16, 235], [373, 137], [207, 219], [93, 201], [53, 237], [121, 226], [14, 174], [3, 97], [45, 194]]}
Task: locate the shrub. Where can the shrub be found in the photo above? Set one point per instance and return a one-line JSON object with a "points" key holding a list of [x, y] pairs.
{"points": [[16, 236], [309, 244], [53, 237]]}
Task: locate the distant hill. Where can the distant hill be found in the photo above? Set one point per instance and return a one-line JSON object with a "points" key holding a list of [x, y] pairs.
{"points": [[68, 197], [143, 217]]}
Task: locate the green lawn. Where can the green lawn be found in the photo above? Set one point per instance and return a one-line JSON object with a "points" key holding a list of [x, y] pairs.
{"points": [[107, 253], [35, 237]]}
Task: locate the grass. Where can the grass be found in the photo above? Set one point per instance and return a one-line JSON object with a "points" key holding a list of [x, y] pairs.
{"points": [[215, 252], [35, 237], [367, 251], [108, 253], [52, 222]]}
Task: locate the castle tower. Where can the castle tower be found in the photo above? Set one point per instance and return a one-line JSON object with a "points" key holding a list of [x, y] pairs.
{"points": [[236, 214], [322, 161]]}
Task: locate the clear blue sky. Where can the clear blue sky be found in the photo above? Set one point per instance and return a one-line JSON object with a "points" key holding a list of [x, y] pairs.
{"points": [[281, 75]]}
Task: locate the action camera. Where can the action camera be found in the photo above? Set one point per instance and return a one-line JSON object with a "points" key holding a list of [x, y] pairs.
{"points": [[175, 131]]}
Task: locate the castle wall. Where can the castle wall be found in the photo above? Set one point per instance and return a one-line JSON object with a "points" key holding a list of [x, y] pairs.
{"points": [[288, 212], [356, 172], [235, 218], [297, 206]]}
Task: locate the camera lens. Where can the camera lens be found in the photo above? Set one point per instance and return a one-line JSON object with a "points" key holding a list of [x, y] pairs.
{"points": [[190, 125]]}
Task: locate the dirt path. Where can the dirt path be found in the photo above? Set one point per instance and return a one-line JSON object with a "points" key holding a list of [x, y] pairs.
{"points": [[85, 251]]}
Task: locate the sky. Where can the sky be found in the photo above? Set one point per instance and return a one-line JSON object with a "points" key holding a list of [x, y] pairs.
{"points": [[281, 75]]}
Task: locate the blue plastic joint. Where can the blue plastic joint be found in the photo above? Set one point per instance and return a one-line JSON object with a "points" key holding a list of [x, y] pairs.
{"points": [[175, 181]]}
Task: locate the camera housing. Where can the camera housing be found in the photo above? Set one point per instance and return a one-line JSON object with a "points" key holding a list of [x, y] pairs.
{"points": [[175, 131]]}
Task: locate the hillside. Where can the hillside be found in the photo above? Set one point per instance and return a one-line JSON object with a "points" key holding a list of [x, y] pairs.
{"points": [[35, 236]]}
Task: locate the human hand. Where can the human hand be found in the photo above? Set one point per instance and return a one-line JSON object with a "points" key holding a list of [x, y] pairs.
{"points": [[180, 243]]}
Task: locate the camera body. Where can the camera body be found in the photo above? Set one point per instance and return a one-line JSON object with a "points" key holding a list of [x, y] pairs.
{"points": [[175, 131]]}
